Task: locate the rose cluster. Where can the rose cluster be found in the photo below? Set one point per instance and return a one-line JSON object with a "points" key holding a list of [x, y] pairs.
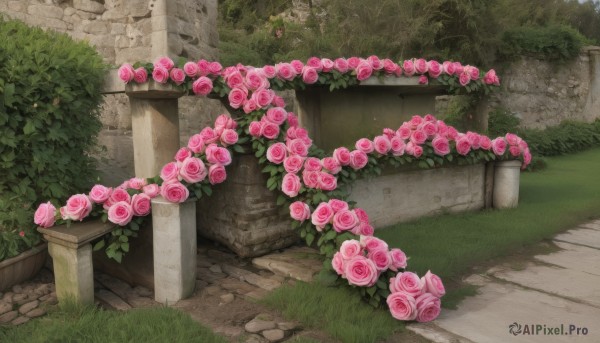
{"points": [[414, 298]]}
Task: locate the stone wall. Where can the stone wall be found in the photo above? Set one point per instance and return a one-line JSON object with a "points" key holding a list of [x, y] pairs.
{"points": [[128, 31]]}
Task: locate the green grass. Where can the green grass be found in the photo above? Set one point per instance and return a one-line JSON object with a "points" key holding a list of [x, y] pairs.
{"points": [[337, 311], [76, 324]]}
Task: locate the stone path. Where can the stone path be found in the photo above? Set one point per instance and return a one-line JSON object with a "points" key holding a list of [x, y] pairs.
{"points": [[27, 300], [561, 288]]}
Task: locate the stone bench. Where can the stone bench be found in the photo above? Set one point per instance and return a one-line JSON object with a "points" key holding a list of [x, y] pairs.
{"points": [[174, 253]]}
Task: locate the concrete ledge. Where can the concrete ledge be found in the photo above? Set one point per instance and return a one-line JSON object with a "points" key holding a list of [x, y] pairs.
{"points": [[153, 90], [112, 83], [77, 234]]}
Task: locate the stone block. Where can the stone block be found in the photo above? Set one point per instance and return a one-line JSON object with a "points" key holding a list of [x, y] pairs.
{"points": [[17, 6], [45, 22], [89, 6], [131, 55], [96, 27], [138, 8], [118, 29], [73, 272], [101, 40], [45, 11]]}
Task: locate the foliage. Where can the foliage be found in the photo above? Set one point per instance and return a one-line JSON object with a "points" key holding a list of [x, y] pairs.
{"points": [[566, 138], [550, 43], [500, 121], [458, 110], [15, 237], [49, 98]]}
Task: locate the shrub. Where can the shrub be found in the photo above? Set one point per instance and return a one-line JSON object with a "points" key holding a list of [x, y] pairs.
{"points": [[501, 121], [565, 138], [549, 43], [49, 119]]}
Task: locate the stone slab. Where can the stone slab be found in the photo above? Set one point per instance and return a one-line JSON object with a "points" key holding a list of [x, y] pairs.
{"points": [[112, 300], [595, 225], [284, 268], [487, 316], [251, 278], [77, 233], [587, 237], [575, 257], [567, 283]]}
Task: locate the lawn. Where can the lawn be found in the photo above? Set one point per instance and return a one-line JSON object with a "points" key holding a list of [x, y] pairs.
{"points": [[567, 193]]}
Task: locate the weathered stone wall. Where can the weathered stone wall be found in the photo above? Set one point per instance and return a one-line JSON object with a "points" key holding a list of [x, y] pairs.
{"points": [[128, 31]]}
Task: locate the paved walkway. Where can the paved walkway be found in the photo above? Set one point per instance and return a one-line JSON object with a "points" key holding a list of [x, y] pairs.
{"points": [[558, 293]]}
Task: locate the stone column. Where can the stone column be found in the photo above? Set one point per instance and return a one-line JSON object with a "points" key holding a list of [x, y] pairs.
{"points": [[174, 231], [506, 184], [155, 126]]}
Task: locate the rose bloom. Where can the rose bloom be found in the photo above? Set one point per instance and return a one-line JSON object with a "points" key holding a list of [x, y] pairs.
{"points": [[362, 215], [365, 229], [137, 183], [119, 194], [269, 130], [338, 205], [216, 174], [164, 62], [458, 68], [448, 67], [290, 185], [463, 145], [485, 143], [365, 144], [428, 128], [342, 155], [473, 139], [499, 146], [140, 203], [219, 155], [338, 264], [254, 79], [433, 284], [381, 258], [297, 66], [327, 181], [373, 243], [322, 215], [140, 75], [293, 163], [269, 71], [464, 78], [203, 67], [360, 271], [192, 170], [191, 69], [278, 101], [398, 259], [315, 62], [402, 306], [78, 207], [515, 151], [263, 97], [389, 66], [299, 211], [215, 68], [409, 68], [364, 70], [225, 121], [353, 62], [310, 75], [344, 220], [170, 171], [312, 164], [331, 164], [421, 66], [177, 75], [407, 282], [418, 137], [202, 86], [181, 155], [151, 190], [382, 144], [254, 129], [310, 178], [120, 213], [45, 215], [428, 307], [236, 97], [196, 143], [441, 146], [389, 133], [358, 159], [350, 248], [100, 194], [234, 79], [423, 80], [435, 69], [209, 135], [126, 72], [174, 191], [285, 71], [160, 74], [229, 137], [276, 115], [341, 65], [277, 153], [398, 146]]}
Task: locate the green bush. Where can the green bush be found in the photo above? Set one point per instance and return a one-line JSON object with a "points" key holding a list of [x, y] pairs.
{"points": [[565, 138], [501, 121], [549, 43], [49, 119]]}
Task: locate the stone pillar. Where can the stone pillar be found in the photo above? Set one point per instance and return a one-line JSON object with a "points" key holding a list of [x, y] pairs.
{"points": [[506, 184], [155, 126], [174, 231]]}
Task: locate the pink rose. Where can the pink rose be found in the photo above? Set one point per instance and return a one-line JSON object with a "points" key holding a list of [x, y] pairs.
{"points": [[338, 205], [358, 159], [202, 86], [428, 307], [402, 306], [293, 163], [435, 69], [119, 194], [362, 215], [254, 79], [209, 135], [297, 66], [45, 215], [164, 62], [236, 97], [191, 69], [381, 258], [182, 154], [382, 144], [514, 150], [297, 147], [418, 137], [473, 73], [463, 145], [225, 121], [441, 146], [234, 80], [448, 67], [342, 155], [140, 75], [276, 153], [269, 130], [137, 183], [338, 264], [327, 65], [177, 75], [151, 190], [120, 213], [310, 75], [254, 129], [174, 191], [126, 72], [218, 155], [315, 62], [215, 68], [290, 185], [364, 70], [499, 146], [407, 282], [365, 144], [423, 80], [169, 171], [409, 68], [216, 174], [203, 67], [263, 97], [312, 164], [485, 143], [526, 158], [278, 101], [341, 65], [78, 207], [350, 249], [373, 243], [389, 66], [464, 78], [398, 146], [310, 178], [327, 181], [421, 66], [322, 215], [353, 62], [192, 170], [433, 284], [100, 194], [331, 164], [276, 115], [512, 139], [398, 259], [366, 229], [299, 211], [360, 271], [458, 68], [140, 204], [344, 220], [229, 137], [285, 71], [196, 143], [160, 74], [428, 128], [473, 139], [269, 71]]}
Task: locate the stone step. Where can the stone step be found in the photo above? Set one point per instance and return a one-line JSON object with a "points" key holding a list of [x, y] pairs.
{"points": [[111, 300], [574, 257], [586, 237], [251, 278], [297, 263]]}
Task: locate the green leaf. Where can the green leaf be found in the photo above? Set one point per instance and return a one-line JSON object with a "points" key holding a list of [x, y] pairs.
{"points": [[125, 247], [330, 235], [238, 148], [381, 284], [371, 290], [99, 245], [327, 278], [310, 237]]}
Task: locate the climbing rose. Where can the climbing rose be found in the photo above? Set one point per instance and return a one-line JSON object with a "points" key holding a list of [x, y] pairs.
{"points": [[192, 170], [364, 70], [254, 129], [169, 171], [126, 72], [428, 307], [342, 155], [182, 154], [160, 74], [344, 220], [276, 115], [174, 191], [151, 190], [350, 248], [140, 203], [229, 137], [141, 75], [463, 146], [338, 263], [381, 258], [45, 215], [100, 193], [360, 271], [441, 146], [312, 164], [216, 174], [338, 205], [402, 306], [327, 182], [78, 207], [382, 144], [365, 144], [407, 282], [177, 75], [310, 75], [277, 153], [293, 163], [164, 62], [373, 243], [398, 259], [322, 215], [269, 130], [202, 86], [237, 96], [464, 78], [499, 146], [119, 194], [299, 211], [120, 213], [331, 164], [433, 284], [191, 69], [196, 143], [290, 185]]}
